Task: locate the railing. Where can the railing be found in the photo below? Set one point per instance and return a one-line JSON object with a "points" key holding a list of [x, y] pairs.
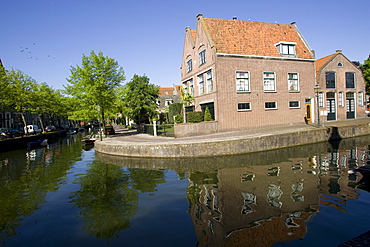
{"points": [[162, 130]]}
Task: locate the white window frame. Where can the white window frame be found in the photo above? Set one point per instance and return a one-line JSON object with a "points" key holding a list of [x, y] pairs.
{"points": [[360, 98], [271, 108], [340, 99], [244, 109], [321, 100], [191, 86], [189, 65], [202, 57], [242, 81], [168, 102], [293, 82], [201, 84], [209, 81], [295, 107], [269, 83], [287, 49]]}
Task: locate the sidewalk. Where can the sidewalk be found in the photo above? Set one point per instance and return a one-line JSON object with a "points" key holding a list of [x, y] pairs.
{"points": [[126, 136]]}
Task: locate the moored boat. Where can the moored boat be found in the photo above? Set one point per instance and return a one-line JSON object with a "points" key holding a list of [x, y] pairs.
{"points": [[38, 143]]}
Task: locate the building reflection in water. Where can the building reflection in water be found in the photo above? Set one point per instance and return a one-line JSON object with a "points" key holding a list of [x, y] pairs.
{"points": [[263, 198]]}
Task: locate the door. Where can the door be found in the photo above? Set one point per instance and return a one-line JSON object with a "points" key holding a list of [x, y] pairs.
{"points": [[330, 106], [350, 105], [308, 111]]}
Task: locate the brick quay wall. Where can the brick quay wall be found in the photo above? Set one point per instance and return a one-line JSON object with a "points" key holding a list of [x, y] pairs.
{"points": [[230, 143]]}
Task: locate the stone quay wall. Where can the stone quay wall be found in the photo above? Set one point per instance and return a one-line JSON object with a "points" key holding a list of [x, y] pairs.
{"points": [[205, 147]]}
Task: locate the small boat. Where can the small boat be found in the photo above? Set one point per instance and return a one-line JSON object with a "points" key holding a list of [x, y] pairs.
{"points": [[38, 143], [88, 140], [71, 132]]}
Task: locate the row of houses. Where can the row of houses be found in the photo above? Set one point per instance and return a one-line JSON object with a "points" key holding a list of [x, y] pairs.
{"points": [[255, 74]]}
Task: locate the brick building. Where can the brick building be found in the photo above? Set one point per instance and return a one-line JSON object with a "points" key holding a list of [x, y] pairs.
{"points": [[342, 88], [249, 74]]}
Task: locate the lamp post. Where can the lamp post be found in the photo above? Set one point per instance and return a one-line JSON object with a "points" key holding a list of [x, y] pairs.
{"points": [[317, 91]]}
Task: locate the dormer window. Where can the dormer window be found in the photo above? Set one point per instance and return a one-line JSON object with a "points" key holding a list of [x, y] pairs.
{"points": [[286, 49]]}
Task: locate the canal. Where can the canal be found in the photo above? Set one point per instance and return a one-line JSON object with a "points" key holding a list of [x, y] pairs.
{"points": [[68, 195]]}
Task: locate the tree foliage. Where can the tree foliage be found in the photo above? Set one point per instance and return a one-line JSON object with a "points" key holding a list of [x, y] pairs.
{"points": [[366, 73], [20, 96], [93, 88], [207, 115], [174, 110], [140, 99]]}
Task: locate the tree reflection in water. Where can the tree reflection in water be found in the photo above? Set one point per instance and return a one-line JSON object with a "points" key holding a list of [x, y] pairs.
{"points": [[258, 199]]}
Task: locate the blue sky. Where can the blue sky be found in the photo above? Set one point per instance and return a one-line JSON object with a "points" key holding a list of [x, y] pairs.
{"points": [[43, 38]]}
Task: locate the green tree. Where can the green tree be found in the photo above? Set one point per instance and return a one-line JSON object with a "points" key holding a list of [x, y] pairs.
{"points": [[93, 87], [21, 96], [48, 102], [140, 97], [187, 99], [207, 115], [4, 84], [366, 73]]}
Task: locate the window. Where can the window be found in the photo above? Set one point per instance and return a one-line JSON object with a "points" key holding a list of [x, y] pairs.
{"points": [[270, 105], [340, 99], [209, 82], [321, 100], [286, 49], [244, 106], [360, 98], [350, 80], [293, 82], [269, 81], [191, 86], [189, 65], [330, 79], [294, 104], [242, 81], [188, 86], [168, 102], [202, 57], [340, 64], [201, 84]]}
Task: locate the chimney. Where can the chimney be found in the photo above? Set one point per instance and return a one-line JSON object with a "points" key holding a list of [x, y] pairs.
{"points": [[199, 16], [338, 51], [235, 18], [293, 23]]}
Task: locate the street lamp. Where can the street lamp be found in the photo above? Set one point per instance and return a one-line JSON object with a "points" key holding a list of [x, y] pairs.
{"points": [[317, 91]]}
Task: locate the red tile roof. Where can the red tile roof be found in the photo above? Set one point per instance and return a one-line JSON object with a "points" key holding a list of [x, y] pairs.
{"points": [[253, 38], [166, 91], [323, 61]]}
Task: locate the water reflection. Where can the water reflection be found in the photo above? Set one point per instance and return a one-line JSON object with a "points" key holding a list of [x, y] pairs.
{"points": [[254, 199], [263, 198], [27, 176]]}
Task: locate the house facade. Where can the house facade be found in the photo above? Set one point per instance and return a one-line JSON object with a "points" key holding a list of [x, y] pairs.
{"points": [[249, 74], [168, 96], [342, 88]]}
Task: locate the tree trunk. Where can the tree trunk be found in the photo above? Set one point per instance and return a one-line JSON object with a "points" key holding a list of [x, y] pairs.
{"points": [[24, 123], [41, 123]]}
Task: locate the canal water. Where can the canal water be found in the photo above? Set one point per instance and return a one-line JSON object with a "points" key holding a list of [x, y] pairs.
{"points": [[68, 195]]}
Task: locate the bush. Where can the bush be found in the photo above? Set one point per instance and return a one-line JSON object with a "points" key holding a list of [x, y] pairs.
{"points": [[195, 117], [173, 110], [207, 115], [178, 119]]}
